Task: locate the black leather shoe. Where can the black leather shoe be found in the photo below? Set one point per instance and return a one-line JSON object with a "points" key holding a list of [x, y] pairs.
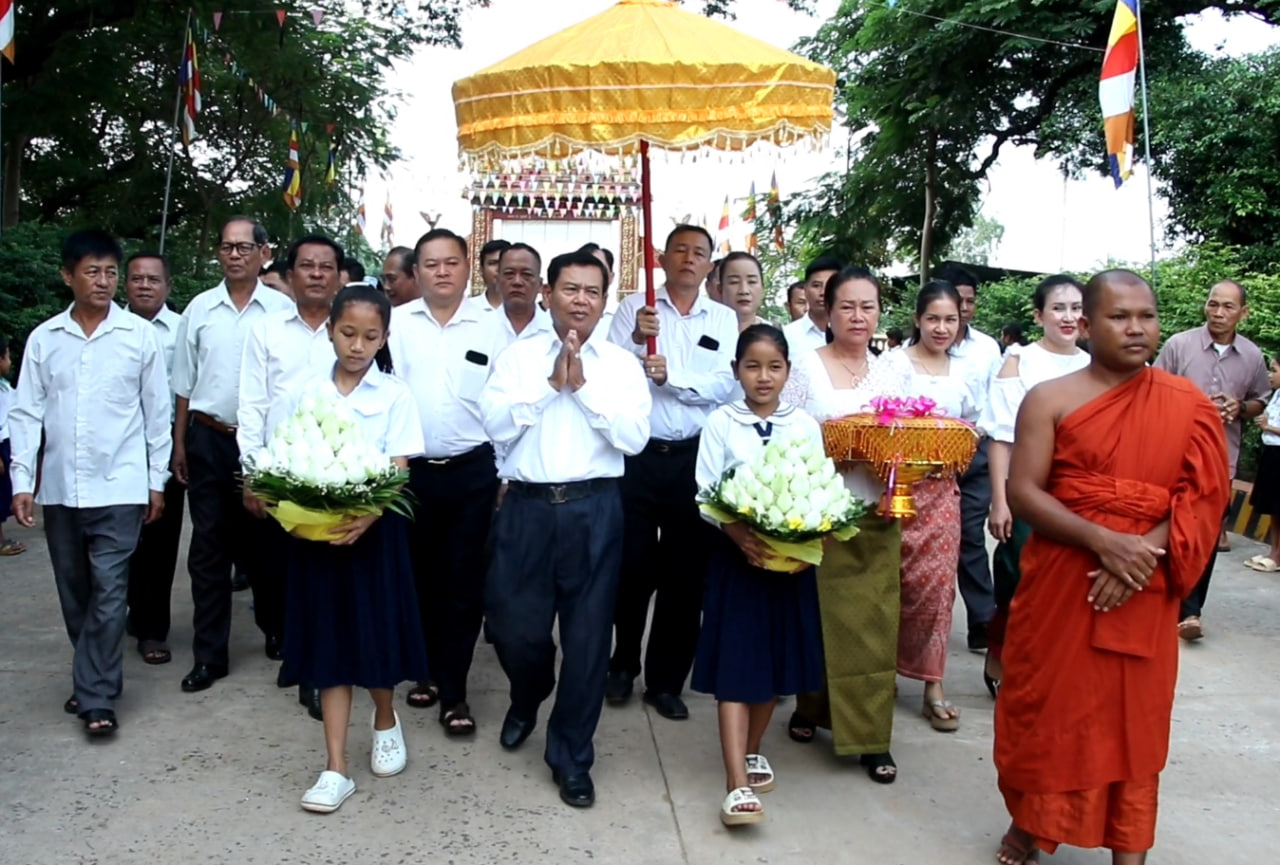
{"points": [[515, 729], [239, 581], [202, 676], [275, 648], [669, 706], [576, 790], [283, 681], [618, 687], [310, 697]]}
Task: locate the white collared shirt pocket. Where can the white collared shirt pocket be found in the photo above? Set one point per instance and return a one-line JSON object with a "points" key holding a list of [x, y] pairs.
{"points": [[472, 373]]}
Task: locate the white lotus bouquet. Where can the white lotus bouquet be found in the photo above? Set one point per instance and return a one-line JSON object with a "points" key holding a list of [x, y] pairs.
{"points": [[319, 470], [792, 497]]}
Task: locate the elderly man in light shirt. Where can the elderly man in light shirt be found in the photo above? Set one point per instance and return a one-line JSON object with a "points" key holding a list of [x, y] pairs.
{"points": [[93, 385]]}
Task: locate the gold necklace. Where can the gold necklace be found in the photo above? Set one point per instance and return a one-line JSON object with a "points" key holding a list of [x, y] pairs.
{"points": [[918, 357], [854, 375]]}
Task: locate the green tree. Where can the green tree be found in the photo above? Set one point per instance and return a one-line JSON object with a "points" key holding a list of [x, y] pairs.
{"points": [[977, 243], [936, 89]]}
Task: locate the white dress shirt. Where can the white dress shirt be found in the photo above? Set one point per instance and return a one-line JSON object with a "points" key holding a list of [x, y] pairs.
{"points": [[563, 436], [167, 322], [281, 353], [501, 333], [480, 302], [206, 362], [803, 335], [699, 349], [102, 402], [735, 435], [445, 368], [6, 403], [383, 406], [980, 361]]}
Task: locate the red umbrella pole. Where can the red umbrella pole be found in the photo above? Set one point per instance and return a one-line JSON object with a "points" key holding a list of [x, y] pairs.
{"points": [[646, 207]]}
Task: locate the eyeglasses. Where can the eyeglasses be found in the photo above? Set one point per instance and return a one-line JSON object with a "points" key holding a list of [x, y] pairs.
{"points": [[245, 249]]}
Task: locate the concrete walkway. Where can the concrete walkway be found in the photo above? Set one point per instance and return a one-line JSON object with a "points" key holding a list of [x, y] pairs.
{"points": [[216, 777]]}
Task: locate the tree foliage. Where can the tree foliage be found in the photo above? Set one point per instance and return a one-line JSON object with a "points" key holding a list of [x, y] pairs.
{"points": [[937, 89]]}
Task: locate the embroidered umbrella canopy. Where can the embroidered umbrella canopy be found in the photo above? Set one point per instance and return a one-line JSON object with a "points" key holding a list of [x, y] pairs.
{"points": [[643, 73]]}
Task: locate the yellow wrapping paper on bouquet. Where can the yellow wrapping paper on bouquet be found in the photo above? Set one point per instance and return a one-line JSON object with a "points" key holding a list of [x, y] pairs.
{"points": [[786, 557], [308, 524]]}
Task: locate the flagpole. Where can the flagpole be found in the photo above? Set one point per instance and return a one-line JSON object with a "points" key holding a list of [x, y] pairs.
{"points": [[173, 139], [1146, 138]]}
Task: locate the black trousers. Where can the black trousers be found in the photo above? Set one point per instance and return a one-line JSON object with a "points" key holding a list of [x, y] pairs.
{"points": [[222, 532], [1193, 604], [973, 576], [556, 560], [267, 567], [152, 566], [664, 552], [449, 536]]}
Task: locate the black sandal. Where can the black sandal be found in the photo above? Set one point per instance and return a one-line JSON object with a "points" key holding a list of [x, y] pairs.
{"points": [[104, 718], [423, 696], [801, 729], [457, 720], [154, 652], [880, 767], [72, 706]]}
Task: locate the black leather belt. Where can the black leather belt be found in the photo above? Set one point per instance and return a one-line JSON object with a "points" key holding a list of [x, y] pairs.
{"points": [[663, 446], [484, 451], [559, 494]]}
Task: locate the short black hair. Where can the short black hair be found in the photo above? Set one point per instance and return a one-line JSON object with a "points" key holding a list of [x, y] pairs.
{"points": [[291, 258], [1244, 295], [260, 235], [90, 243], [521, 247], [595, 247], [441, 234], [794, 287], [685, 228], [354, 269], [821, 263], [140, 256], [894, 333], [576, 259], [400, 251], [278, 267], [1093, 288], [498, 246], [4, 345], [957, 275], [1013, 330]]}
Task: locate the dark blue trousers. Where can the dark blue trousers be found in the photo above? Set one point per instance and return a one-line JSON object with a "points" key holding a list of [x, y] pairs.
{"points": [[552, 560]]}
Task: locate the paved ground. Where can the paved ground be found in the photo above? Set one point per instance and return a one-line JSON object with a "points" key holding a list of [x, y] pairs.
{"points": [[215, 777]]}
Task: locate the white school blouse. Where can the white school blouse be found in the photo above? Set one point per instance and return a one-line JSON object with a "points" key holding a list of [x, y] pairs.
{"points": [[383, 405], [734, 435], [1036, 364]]}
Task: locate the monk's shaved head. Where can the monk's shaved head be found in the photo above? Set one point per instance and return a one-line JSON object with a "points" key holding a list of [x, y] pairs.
{"points": [[1094, 288]]}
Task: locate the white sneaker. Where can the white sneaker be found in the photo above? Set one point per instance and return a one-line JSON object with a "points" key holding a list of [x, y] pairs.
{"points": [[329, 792], [389, 753]]}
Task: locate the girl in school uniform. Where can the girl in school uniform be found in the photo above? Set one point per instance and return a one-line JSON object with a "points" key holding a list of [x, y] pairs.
{"points": [[761, 636], [352, 618]]}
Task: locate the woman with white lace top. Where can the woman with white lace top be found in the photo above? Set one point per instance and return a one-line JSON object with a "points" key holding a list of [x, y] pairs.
{"points": [[858, 580], [1058, 302], [931, 540]]}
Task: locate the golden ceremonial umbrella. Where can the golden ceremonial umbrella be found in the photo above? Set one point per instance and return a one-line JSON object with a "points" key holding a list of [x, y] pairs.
{"points": [[644, 72]]}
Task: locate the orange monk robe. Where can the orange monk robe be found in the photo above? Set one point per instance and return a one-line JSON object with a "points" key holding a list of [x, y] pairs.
{"points": [[1082, 723]]}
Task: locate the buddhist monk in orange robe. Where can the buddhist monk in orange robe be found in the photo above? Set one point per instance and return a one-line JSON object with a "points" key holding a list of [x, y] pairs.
{"points": [[1120, 470]]}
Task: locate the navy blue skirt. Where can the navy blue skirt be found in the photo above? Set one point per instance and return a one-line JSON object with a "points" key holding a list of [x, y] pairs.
{"points": [[352, 613], [761, 635], [6, 485]]}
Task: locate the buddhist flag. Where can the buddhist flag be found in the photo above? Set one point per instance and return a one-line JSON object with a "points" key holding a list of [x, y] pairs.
{"points": [[722, 231], [752, 245], [7, 13], [1115, 89], [387, 223], [724, 215], [360, 217], [189, 83], [292, 174], [775, 212], [331, 172]]}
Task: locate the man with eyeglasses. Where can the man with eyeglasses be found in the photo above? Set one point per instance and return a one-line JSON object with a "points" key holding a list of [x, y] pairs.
{"points": [[206, 380], [147, 285], [283, 351], [397, 278]]}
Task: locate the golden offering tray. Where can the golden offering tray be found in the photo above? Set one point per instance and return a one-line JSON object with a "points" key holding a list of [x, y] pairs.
{"points": [[901, 451]]}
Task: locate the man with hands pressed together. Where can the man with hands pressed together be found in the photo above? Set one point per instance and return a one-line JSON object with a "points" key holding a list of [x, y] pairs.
{"points": [[93, 383], [564, 406], [1120, 470], [1230, 370], [664, 547]]}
